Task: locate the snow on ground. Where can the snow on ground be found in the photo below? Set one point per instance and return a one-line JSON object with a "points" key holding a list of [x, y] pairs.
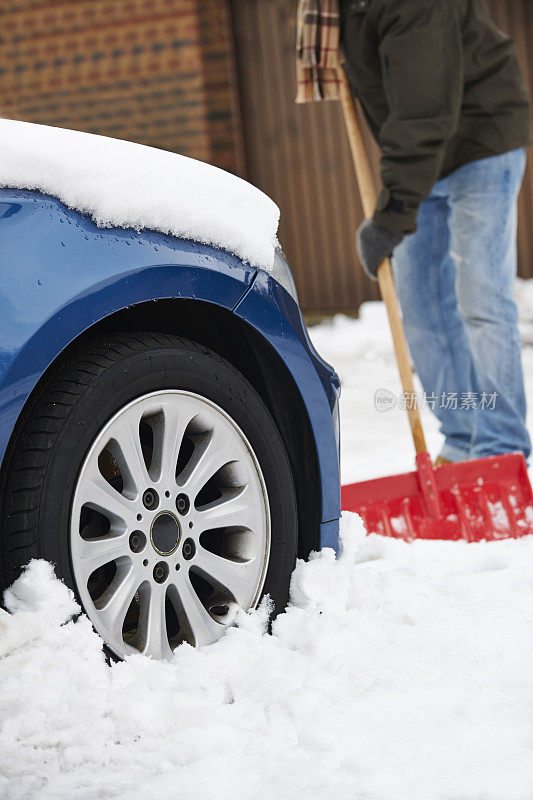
{"points": [[129, 185], [399, 672]]}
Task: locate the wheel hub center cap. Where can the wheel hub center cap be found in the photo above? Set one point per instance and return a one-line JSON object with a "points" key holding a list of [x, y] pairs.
{"points": [[165, 533]]}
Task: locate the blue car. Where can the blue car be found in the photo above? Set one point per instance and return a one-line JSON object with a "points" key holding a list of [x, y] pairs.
{"points": [[168, 434]]}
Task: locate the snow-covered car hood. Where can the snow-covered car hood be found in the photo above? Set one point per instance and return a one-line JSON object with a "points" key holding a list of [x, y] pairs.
{"points": [[128, 185]]}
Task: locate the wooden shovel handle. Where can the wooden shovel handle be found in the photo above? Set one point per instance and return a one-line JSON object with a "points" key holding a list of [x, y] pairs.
{"points": [[367, 191]]}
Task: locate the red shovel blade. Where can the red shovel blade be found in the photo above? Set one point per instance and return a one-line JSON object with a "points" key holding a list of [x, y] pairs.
{"points": [[488, 498]]}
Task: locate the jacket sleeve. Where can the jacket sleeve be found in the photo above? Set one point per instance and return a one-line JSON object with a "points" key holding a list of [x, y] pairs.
{"points": [[421, 57]]}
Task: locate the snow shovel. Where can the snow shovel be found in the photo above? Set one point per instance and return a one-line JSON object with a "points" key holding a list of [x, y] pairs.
{"points": [[486, 498]]}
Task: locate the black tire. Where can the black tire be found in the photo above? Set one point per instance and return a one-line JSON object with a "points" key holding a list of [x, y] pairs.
{"points": [[74, 402]]}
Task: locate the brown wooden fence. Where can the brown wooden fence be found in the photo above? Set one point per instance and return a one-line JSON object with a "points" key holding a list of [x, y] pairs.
{"points": [[299, 154]]}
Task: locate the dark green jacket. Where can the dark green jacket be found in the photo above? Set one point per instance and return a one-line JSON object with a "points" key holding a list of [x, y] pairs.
{"points": [[440, 85]]}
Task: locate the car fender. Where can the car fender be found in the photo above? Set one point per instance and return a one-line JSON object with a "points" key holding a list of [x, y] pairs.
{"points": [[270, 309]]}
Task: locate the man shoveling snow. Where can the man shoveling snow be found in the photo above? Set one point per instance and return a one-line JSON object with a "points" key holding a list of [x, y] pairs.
{"points": [[442, 92]]}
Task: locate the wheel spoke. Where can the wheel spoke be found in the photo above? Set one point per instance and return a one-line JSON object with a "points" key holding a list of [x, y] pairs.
{"points": [[94, 553], [236, 511], [218, 452], [126, 448], [166, 458], [232, 575], [156, 643], [117, 601], [193, 616], [98, 494]]}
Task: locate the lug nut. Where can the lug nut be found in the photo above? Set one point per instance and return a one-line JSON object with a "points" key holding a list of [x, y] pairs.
{"points": [[137, 541], [189, 549], [150, 499], [161, 572], [182, 503]]}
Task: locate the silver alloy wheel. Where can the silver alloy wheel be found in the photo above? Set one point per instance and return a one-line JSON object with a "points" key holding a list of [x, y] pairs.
{"points": [[170, 525]]}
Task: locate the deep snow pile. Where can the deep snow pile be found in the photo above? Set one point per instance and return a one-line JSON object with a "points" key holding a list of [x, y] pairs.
{"points": [[399, 671], [129, 185]]}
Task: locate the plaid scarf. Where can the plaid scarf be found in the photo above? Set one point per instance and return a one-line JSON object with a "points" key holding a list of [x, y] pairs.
{"points": [[317, 50]]}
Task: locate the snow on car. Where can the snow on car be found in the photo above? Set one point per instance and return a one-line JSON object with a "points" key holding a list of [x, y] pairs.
{"points": [[159, 393]]}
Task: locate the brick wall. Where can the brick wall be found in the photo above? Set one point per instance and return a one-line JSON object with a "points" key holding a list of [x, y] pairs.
{"points": [[159, 72]]}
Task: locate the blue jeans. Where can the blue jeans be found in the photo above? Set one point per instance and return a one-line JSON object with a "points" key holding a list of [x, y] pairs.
{"points": [[455, 278]]}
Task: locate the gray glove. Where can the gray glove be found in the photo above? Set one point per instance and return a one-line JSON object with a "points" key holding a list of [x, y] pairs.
{"points": [[375, 243]]}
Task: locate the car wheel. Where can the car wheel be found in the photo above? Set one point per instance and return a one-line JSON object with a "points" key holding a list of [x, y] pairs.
{"points": [[151, 474]]}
